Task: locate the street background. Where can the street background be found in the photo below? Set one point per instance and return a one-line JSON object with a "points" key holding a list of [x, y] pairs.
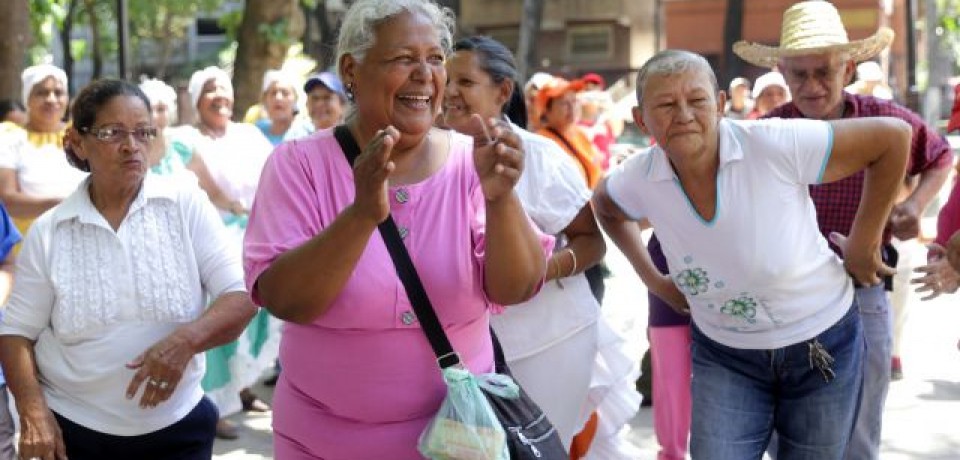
{"points": [[922, 416]]}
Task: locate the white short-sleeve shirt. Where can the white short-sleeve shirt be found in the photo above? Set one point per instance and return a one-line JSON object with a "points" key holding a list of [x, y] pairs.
{"points": [[552, 191], [759, 275], [94, 299]]}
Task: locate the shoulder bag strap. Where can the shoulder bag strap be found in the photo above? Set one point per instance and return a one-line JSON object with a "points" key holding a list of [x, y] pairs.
{"points": [[407, 272]]}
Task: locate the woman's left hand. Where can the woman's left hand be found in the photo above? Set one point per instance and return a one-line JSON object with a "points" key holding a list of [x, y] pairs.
{"points": [[159, 369], [499, 159]]}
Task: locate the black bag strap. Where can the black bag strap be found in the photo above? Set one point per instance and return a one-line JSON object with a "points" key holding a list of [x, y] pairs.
{"points": [[407, 272], [562, 139]]}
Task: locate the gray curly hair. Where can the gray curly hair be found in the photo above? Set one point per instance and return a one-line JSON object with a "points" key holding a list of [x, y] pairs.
{"points": [[358, 29]]}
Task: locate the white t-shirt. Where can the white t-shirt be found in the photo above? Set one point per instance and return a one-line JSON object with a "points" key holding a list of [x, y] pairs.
{"points": [[552, 192], [41, 171], [759, 275], [94, 299]]}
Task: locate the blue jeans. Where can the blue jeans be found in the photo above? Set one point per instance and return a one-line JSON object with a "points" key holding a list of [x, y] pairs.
{"points": [[877, 317], [741, 396]]}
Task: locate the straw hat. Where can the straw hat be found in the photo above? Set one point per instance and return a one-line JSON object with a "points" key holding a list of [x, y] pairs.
{"points": [[813, 27]]}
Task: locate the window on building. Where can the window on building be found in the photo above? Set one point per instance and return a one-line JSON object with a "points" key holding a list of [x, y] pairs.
{"points": [[510, 37], [590, 42]]}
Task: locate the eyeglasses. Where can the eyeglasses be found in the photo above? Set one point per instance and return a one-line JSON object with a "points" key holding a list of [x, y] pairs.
{"points": [[114, 134]]}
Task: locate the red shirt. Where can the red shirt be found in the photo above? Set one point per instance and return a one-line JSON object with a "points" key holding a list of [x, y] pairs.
{"points": [[837, 202]]}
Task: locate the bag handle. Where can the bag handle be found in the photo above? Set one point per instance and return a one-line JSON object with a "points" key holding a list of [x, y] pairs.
{"points": [[407, 272]]}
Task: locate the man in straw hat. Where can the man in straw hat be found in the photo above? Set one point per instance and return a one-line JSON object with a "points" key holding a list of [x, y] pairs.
{"points": [[818, 60]]}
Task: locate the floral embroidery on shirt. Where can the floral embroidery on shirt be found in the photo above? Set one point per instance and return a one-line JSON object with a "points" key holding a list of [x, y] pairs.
{"points": [[693, 281], [744, 307]]}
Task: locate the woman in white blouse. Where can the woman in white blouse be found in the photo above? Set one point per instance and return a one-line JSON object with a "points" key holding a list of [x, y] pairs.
{"points": [[103, 336], [34, 172], [552, 342]]}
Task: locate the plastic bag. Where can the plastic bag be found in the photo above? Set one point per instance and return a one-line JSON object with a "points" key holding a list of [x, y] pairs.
{"points": [[465, 427]]}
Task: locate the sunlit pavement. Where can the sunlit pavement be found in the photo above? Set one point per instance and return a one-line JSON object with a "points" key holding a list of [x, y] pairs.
{"points": [[922, 417]]}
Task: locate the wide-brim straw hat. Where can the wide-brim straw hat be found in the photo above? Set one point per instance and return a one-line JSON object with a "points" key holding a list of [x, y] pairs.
{"points": [[813, 27]]}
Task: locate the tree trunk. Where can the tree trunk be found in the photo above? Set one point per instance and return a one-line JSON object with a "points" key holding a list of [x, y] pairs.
{"points": [[14, 40], [96, 50], [65, 42], [731, 65], [166, 46], [532, 17], [266, 32], [326, 53]]}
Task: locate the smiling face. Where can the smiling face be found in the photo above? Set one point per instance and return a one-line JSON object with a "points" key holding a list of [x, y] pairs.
{"points": [[471, 90], [816, 83], [324, 107], [120, 163], [47, 104], [681, 111], [401, 78], [215, 105], [279, 100]]}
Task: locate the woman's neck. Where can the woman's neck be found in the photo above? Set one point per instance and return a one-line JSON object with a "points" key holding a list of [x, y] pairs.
{"points": [[280, 126], [43, 126], [215, 132], [113, 201]]}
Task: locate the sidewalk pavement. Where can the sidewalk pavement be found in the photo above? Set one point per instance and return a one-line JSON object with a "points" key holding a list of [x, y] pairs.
{"points": [[921, 420]]}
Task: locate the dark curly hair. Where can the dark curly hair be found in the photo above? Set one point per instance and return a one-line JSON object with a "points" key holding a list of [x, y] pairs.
{"points": [[87, 106]]}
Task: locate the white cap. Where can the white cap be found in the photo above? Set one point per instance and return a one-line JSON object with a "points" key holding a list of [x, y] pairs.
{"points": [[869, 71], [159, 92], [280, 77], [38, 73], [201, 77], [769, 79]]}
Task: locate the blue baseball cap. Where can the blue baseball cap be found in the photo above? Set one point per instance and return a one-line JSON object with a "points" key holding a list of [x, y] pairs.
{"points": [[328, 80]]}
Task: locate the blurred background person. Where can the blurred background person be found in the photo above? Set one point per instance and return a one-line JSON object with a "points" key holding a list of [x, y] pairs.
{"points": [[871, 81], [103, 334], [769, 91], [530, 90], [13, 111], [599, 122], [739, 103], [327, 103], [279, 101], [234, 153], [34, 172]]}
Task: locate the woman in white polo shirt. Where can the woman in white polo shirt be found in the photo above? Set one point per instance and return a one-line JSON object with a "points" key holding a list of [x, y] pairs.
{"points": [[103, 335], [776, 346]]}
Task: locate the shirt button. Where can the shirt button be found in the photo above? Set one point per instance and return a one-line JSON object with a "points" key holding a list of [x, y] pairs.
{"points": [[408, 317], [402, 196]]}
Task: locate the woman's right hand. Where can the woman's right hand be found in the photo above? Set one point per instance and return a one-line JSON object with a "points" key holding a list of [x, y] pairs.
{"points": [[40, 435], [370, 172], [667, 291]]}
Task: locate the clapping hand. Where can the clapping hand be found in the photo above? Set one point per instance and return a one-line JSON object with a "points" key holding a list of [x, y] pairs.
{"points": [[371, 171], [497, 155]]}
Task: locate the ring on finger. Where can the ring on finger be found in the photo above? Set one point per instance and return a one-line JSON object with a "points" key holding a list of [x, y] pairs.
{"points": [[163, 384]]}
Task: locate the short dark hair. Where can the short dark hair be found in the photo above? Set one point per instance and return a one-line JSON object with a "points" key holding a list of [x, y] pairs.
{"points": [[498, 62], [90, 101], [10, 105]]}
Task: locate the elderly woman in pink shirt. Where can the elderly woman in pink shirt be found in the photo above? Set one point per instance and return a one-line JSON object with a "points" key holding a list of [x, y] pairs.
{"points": [[359, 378]]}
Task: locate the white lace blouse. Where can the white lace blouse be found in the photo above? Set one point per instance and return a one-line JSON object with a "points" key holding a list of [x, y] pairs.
{"points": [[93, 299]]}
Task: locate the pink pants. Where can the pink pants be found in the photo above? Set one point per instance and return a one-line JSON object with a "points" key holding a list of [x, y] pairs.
{"points": [[670, 364]]}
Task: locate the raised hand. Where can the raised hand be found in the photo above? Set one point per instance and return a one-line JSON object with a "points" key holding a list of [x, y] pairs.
{"points": [[864, 264], [498, 157], [371, 170], [937, 276]]}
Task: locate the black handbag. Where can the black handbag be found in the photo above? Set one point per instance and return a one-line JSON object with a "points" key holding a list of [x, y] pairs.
{"points": [[530, 435]]}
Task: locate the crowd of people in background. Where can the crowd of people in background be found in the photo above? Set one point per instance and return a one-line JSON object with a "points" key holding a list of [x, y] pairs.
{"points": [[143, 246]]}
